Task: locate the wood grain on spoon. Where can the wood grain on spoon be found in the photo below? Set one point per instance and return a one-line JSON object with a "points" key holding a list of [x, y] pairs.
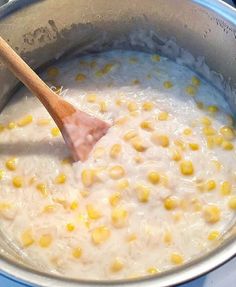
{"points": [[80, 130]]}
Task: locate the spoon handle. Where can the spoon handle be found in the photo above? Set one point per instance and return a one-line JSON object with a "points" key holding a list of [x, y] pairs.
{"points": [[55, 105]]}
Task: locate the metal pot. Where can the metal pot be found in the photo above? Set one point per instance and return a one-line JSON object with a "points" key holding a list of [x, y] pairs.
{"points": [[42, 31]]}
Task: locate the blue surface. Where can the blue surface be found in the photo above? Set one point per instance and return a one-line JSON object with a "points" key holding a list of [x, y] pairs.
{"points": [[5, 282]]}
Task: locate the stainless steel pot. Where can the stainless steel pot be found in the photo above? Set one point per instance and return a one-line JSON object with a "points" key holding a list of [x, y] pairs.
{"points": [[42, 31]]}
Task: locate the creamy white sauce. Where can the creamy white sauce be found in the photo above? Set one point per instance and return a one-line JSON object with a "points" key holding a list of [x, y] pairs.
{"points": [[144, 242]]}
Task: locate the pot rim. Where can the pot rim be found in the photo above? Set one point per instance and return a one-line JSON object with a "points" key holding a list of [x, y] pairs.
{"points": [[200, 266]]}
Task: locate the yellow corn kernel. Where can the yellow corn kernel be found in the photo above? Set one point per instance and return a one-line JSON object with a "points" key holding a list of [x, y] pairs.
{"points": [[27, 238], [200, 185], [116, 172], [138, 159], [184, 204], [133, 60], [226, 188], [84, 193], [91, 98], [115, 198], [119, 217], [196, 81], [107, 68], [152, 270], [168, 84], [217, 165], [148, 106], [194, 146], [103, 107], [11, 164], [100, 234], [82, 218], [164, 180], [161, 140], [41, 187], [45, 240], [4, 206], [163, 116], [119, 101], [132, 106], [147, 125], [210, 185], [67, 160], [2, 173], [227, 133], [117, 265], [175, 155], [196, 203], [210, 142], [170, 203], [115, 151], [213, 235], [17, 181], [130, 135], [77, 252], [93, 213], [60, 179], [70, 227], [167, 237], [11, 125], [62, 202], [153, 177], [138, 145], [232, 202], [209, 131], [155, 58], [80, 77], [213, 109], [191, 90], [227, 145], [2, 128], [200, 105], [187, 132], [176, 258], [121, 121], [122, 184], [74, 205], [55, 132], [131, 237], [134, 114], [88, 177], [143, 193], [43, 122], [25, 121], [180, 144], [211, 213], [49, 208], [53, 72], [135, 82], [218, 140], [206, 121], [177, 216], [186, 167]]}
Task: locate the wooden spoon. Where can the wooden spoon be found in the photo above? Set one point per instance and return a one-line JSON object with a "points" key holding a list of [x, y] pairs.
{"points": [[80, 130]]}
